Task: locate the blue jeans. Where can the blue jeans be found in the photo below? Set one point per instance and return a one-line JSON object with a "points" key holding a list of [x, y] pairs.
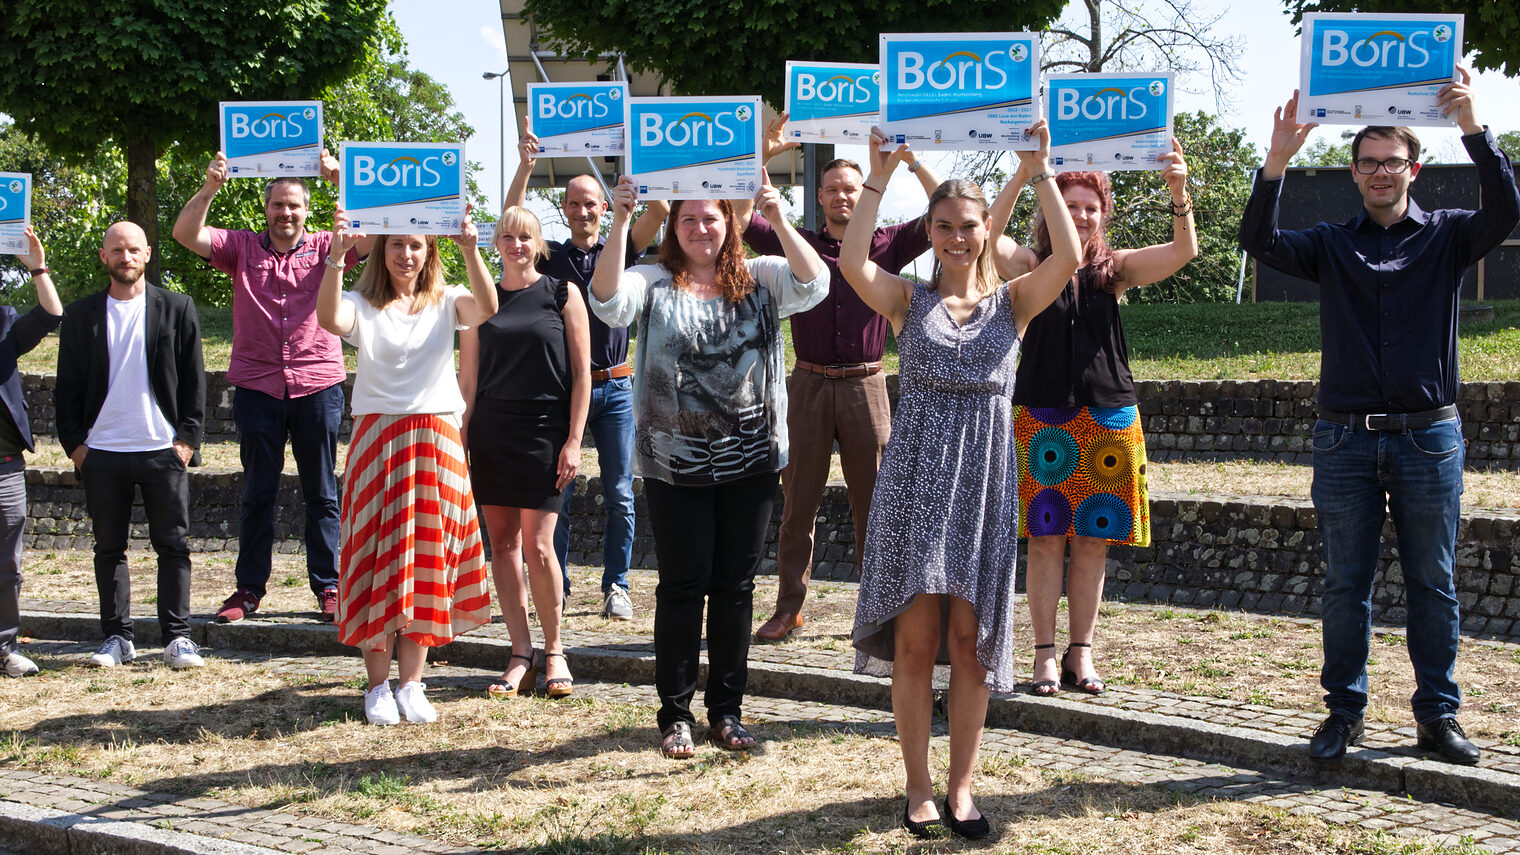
{"points": [[611, 422], [1418, 475], [310, 422]]}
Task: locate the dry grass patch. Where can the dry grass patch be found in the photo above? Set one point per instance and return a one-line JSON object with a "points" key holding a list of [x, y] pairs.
{"points": [[540, 776]]}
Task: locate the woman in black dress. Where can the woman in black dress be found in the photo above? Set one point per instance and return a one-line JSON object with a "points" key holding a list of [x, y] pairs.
{"points": [[526, 379]]}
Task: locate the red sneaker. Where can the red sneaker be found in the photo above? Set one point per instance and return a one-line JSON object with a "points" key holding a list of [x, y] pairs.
{"points": [[327, 604], [241, 604]]}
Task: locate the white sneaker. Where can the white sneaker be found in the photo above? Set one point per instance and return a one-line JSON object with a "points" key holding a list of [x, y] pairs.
{"points": [[616, 605], [380, 705], [112, 652], [416, 707], [16, 665], [183, 653]]}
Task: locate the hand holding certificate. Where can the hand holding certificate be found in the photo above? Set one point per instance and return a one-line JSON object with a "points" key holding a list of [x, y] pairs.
{"points": [[15, 211], [1377, 69]]}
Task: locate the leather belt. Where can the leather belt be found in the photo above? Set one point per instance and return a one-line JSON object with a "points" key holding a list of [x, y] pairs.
{"points": [[1400, 422], [619, 370], [839, 372]]}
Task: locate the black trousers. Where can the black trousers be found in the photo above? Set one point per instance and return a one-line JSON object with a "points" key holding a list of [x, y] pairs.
{"points": [[709, 541], [111, 479]]}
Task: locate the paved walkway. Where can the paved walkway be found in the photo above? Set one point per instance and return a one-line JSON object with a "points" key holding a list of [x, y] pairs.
{"points": [[1205, 746]]}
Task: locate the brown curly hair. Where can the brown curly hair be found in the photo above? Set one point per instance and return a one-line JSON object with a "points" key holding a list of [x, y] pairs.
{"points": [[1096, 254], [734, 279]]}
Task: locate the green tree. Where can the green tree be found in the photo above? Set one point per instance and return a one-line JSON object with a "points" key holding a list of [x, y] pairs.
{"points": [[1491, 30], [1220, 165], [705, 48], [1510, 142], [80, 73], [1322, 152]]}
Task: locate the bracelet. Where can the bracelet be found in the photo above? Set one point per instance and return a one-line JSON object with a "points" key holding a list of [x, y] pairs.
{"points": [[1041, 177], [869, 187], [40, 271], [915, 166], [338, 266], [1183, 209]]}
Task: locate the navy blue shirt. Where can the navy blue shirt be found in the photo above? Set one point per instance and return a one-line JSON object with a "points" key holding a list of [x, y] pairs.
{"points": [[569, 263], [1389, 297]]}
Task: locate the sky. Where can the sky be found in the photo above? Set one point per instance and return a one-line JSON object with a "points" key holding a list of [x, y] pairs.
{"points": [[456, 48]]}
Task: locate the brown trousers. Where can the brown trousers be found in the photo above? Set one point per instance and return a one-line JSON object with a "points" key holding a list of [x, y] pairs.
{"points": [[854, 411]]}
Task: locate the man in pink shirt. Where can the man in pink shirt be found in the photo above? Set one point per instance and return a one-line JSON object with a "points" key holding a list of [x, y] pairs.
{"points": [[287, 372]]}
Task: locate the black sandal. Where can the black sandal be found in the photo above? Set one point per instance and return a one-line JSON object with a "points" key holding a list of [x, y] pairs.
{"points": [[1044, 688], [1092, 684], [503, 689], [557, 687], [729, 735], [676, 742]]}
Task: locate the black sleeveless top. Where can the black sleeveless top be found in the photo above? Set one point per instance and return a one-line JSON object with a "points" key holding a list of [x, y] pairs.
{"points": [[1074, 352], [523, 355]]}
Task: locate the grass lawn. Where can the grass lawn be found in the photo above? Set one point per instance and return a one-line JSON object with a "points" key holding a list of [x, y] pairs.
{"points": [[1208, 341]]}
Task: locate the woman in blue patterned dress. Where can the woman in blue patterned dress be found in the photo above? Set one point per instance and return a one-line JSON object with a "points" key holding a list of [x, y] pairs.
{"points": [[937, 574]]}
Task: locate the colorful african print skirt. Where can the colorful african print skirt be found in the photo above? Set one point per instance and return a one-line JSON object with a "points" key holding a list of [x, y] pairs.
{"points": [[412, 558], [1082, 473]]}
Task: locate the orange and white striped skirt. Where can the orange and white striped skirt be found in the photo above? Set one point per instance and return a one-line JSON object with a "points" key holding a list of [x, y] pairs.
{"points": [[412, 558]]}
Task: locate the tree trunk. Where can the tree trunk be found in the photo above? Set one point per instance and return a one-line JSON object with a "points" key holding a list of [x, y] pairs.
{"points": [[142, 196]]}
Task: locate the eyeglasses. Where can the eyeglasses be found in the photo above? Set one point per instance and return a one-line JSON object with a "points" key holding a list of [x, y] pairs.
{"points": [[1393, 165]]}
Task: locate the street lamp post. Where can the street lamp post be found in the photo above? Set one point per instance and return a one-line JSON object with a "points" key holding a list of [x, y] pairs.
{"points": [[501, 78]]}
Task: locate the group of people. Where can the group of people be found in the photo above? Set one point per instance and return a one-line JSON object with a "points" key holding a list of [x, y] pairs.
{"points": [[1017, 419]]}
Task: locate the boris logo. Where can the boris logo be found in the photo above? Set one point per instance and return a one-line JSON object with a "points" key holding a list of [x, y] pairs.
{"points": [[272, 125], [405, 171], [1110, 103], [839, 89], [960, 70], [1382, 49], [581, 105], [693, 129]]}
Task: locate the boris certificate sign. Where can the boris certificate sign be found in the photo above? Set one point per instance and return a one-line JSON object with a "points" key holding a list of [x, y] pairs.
{"points": [[272, 138], [15, 211], [1109, 121], [831, 102], [573, 119], [1365, 69], [392, 188], [694, 147], [960, 92]]}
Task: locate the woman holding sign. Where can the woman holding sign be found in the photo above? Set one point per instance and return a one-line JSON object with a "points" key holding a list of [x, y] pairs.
{"points": [[1081, 454], [709, 401], [937, 574], [526, 379], [413, 573]]}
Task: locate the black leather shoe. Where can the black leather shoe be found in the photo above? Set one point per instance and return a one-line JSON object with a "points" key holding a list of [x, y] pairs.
{"points": [[1445, 737], [971, 829], [1332, 738]]}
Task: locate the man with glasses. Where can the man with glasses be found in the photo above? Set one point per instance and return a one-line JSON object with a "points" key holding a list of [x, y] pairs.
{"points": [[1388, 435]]}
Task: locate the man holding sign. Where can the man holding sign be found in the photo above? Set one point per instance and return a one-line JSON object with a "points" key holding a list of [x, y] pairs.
{"points": [[837, 389], [1388, 432], [611, 417], [287, 372]]}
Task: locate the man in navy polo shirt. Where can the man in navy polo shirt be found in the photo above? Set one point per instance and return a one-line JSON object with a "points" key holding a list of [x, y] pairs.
{"points": [[610, 419], [837, 390], [1388, 440], [287, 372]]}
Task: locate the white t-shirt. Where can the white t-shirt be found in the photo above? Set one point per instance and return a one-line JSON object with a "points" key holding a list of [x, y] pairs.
{"points": [[406, 361], [129, 419]]}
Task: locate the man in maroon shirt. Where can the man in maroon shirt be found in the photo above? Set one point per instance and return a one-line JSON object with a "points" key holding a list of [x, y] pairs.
{"points": [[837, 391], [287, 372]]}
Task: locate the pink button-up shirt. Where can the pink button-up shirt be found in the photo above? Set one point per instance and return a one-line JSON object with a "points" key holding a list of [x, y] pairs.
{"points": [[277, 347]]}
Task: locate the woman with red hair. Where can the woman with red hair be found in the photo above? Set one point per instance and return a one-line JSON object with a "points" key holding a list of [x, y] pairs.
{"points": [[1081, 453]]}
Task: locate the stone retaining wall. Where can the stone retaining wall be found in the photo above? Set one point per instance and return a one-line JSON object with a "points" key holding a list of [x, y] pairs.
{"points": [[1255, 554], [1183, 419]]}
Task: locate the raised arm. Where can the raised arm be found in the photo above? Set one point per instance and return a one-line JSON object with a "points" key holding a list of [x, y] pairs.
{"points": [[773, 143], [1012, 260], [647, 226], [804, 260], [886, 293], [609, 267], [1035, 290], [47, 293], [481, 304], [1295, 253], [1136, 267], [190, 226], [334, 315], [1288, 136], [332, 171], [527, 155]]}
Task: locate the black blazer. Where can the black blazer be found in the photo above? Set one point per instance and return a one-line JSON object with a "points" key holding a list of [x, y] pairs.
{"points": [[18, 335], [172, 339]]}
